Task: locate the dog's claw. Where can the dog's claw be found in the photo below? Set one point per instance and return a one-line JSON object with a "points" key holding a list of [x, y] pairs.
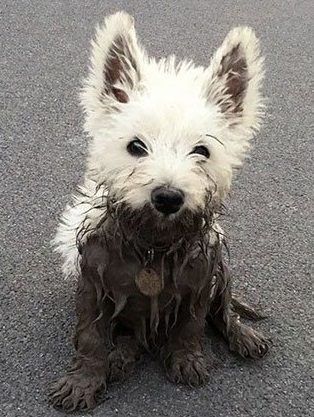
{"points": [[190, 368], [248, 342], [76, 391]]}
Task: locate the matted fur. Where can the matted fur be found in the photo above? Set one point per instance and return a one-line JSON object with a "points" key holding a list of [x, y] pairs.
{"points": [[112, 231]]}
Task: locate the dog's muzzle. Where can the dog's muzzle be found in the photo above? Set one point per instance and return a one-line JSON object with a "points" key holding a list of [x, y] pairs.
{"points": [[167, 200]]}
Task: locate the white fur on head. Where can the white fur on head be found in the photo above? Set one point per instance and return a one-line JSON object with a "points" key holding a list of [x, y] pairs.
{"points": [[114, 71], [172, 108], [233, 83]]}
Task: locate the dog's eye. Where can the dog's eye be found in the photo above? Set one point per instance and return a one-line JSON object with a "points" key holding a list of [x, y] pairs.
{"points": [[201, 150], [137, 148]]}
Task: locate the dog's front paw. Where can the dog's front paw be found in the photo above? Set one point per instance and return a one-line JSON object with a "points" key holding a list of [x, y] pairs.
{"points": [[77, 390], [187, 367], [248, 342]]}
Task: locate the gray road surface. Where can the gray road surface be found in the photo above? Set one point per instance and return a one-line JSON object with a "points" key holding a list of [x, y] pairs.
{"points": [[44, 54]]}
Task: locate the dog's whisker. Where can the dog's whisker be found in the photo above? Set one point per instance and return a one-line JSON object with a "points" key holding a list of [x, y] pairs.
{"points": [[214, 137]]}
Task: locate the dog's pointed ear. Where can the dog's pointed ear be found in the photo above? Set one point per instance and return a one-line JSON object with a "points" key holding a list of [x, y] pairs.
{"points": [[233, 80], [115, 69]]}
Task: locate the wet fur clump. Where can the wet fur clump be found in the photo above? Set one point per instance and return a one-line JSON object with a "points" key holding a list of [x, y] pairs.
{"points": [[147, 279]]}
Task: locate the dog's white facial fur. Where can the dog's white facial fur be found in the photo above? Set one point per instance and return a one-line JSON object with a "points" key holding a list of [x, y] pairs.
{"points": [[172, 108]]}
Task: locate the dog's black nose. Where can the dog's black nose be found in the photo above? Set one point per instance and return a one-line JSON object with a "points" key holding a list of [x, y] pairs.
{"points": [[167, 200]]}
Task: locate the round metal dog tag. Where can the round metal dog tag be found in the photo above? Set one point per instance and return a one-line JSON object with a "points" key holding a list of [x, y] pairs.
{"points": [[149, 282]]}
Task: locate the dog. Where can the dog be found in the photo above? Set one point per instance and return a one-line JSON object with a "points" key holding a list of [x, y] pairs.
{"points": [[142, 236]]}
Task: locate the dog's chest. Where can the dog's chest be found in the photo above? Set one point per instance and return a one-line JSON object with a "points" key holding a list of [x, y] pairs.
{"points": [[159, 281], [155, 288]]}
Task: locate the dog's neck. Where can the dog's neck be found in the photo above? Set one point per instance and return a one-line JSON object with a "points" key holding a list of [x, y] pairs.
{"points": [[150, 236]]}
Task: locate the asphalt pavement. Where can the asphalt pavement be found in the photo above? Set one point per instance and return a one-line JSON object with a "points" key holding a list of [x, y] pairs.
{"points": [[44, 55]]}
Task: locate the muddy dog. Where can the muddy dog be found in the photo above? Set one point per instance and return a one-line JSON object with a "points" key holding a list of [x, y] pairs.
{"points": [[141, 236]]}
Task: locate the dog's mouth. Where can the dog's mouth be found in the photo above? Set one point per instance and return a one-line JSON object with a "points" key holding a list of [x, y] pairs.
{"points": [[149, 227]]}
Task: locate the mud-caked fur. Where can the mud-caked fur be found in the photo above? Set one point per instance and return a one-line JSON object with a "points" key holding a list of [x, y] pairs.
{"points": [[149, 279]]}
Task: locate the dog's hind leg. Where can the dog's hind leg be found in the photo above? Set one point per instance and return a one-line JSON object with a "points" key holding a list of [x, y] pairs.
{"points": [[225, 311], [84, 384], [244, 309]]}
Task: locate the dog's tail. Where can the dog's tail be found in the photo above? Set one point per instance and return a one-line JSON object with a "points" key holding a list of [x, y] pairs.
{"points": [[245, 310]]}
